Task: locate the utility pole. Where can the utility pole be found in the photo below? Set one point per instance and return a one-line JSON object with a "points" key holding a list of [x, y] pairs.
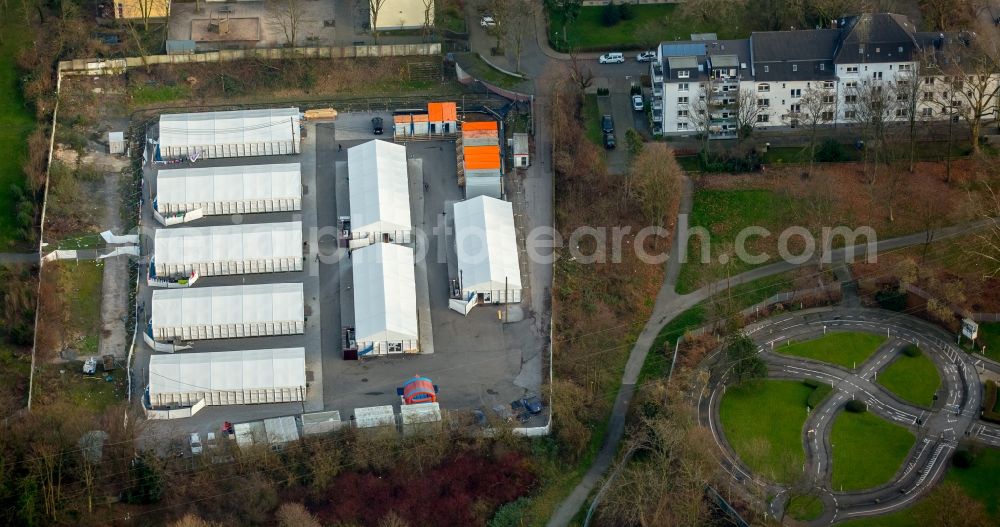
{"points": [[506, 301]]}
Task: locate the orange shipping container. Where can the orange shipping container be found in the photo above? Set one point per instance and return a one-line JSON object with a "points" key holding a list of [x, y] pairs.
{"points": [[479, 125]]}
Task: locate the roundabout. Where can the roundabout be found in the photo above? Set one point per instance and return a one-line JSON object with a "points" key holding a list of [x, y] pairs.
{"points": [[880, 457]]}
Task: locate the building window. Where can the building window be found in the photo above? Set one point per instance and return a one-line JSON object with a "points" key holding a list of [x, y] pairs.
{"points": [[902, 96], [852, 69], [796, 93], [851, 84], [928, 96], [763, 103], [795, 108], [763, 118], [822, 66], [682, 86], [682, 113], [850, 114], [927, 112], [861, 50], [682, 100], [763, 88], [682, 126], [851, 99], [795, 67], [878, 50], [900, 49], [828, 99], [902, 112], [683, 74], [905, 67], [928, 80], [877, 75], [828, 85], [826, 116], [767, 69]]}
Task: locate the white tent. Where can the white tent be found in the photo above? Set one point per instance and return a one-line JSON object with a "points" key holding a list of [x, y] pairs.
{"points": [[486, 247], [228, 249], [236, 133], [230, 190], [228, 377], [385, 300], [379, 191], [227, 312]]}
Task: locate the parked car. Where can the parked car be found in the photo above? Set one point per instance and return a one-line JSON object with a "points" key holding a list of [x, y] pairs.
{"points": [[377, 125], [637, 103], [612, 58], [646, 56], [607, 124], [532, 404], [609, 141], [487, 21], [195, 443]]}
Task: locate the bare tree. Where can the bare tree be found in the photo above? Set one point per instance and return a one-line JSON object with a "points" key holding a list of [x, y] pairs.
{"points": [[656, 177], [815, 109], [747, 110], [581, 74], [989, 240], [909, 87], [872, 105], [500, 10], [287, 14], [520, 26], [428, 17], [947, 15], [374, 7], [146, 10], [567, 11], [700, 113], [950, 506]]}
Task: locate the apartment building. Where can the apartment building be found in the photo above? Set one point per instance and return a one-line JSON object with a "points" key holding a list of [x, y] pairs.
{"points": [[782, 79]]}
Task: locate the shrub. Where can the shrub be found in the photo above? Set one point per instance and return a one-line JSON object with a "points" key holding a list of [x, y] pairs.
{"points": [[856, 406], [963, 459], [811, 383], [891, 298], [911, 351], [990, 402], [610, 16], [625, 12], [511, 514], [818, 394], [830, 151]]}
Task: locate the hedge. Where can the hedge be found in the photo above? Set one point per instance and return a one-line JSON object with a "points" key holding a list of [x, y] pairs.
{"points": [[911, 351], [990, 402], [819, 393], [856, 406]]}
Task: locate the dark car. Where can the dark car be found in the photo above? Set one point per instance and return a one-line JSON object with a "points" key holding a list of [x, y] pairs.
{"points": [[607, 124], [532, 404], [609, 141], [377, 125]]}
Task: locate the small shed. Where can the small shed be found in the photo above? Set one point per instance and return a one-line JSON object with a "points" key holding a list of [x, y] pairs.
{"points": [[374, 416], [116, 142], [521, 158], [321, 422], [419, 416], [401, 125], [442, 117]]}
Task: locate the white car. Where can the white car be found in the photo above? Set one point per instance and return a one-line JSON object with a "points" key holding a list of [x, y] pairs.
{"points": [[646, 56], [637, 103], [195, 443], [611, 58], [487, 21]]}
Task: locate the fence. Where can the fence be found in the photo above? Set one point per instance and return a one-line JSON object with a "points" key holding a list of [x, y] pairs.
{"points": [[118, 66], [977, 317]]}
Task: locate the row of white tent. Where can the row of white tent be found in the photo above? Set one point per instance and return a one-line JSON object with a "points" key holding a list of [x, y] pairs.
{"points": [[191, 314]]}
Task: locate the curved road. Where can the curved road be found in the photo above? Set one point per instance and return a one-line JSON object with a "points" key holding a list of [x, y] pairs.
{"points": [[937, 430]]}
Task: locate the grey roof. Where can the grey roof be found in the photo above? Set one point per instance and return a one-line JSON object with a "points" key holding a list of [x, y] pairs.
{"points": [[876, 38], [794, 55], [682, 63], [682, 49], [725, 61]]}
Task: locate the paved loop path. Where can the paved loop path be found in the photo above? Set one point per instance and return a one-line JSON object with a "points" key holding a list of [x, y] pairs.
{"points": [[937, 429]]}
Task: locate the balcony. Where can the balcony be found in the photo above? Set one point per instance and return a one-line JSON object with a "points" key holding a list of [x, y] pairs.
{"points": [[656, 72]]}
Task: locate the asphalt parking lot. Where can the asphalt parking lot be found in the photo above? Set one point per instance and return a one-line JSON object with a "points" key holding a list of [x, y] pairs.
{"points": [[478, 361]]}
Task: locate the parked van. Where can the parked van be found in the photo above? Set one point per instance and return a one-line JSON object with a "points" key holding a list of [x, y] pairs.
{"points": [[612, 58]]}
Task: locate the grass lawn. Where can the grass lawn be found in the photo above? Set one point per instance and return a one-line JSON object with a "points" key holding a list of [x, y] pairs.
{"points": [[143, 94], [16, 122], [867, 450], [763, 423], [804, 508], [651, 25], [979, 482], [915, 379], [989, 336], [724, 213], [80, 284], [847, 349], [592, 120]]}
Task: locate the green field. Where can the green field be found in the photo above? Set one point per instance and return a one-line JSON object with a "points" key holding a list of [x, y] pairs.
{"points": [[804, 508], [847, 349], [989, 336], [867, 450], [592, 120], [914, 379], [979, 481], [763, 423], [724, 213], [651, 25], [80, 284], [16, 122]]}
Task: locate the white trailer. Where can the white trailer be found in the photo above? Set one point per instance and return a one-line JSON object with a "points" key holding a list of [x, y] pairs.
{"points": [[228, 250], [238, 133], [227, 377], [227, 312], [229, 190]]}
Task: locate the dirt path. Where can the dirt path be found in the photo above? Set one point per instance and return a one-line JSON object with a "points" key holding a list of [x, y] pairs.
{"points": [[115, 288]]}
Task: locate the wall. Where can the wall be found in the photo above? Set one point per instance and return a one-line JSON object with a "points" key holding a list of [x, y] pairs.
{"points": [[403, 14]]}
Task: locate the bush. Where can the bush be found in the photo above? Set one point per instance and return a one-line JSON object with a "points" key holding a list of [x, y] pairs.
{"points": [[830, 151], [811, 383], [911, 351], [818, 394], [990, 403], [963, 459], [891, 298], [610, 16], [625, 12], [511, 514], [856, 406]]}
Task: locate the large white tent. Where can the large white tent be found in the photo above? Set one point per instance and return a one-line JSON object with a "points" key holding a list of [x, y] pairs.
{"points": [[379, 192], [227, 312], [228, 377], [385, 300], [486, 248], [230, 190], [238, 133], [228, 249]]}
